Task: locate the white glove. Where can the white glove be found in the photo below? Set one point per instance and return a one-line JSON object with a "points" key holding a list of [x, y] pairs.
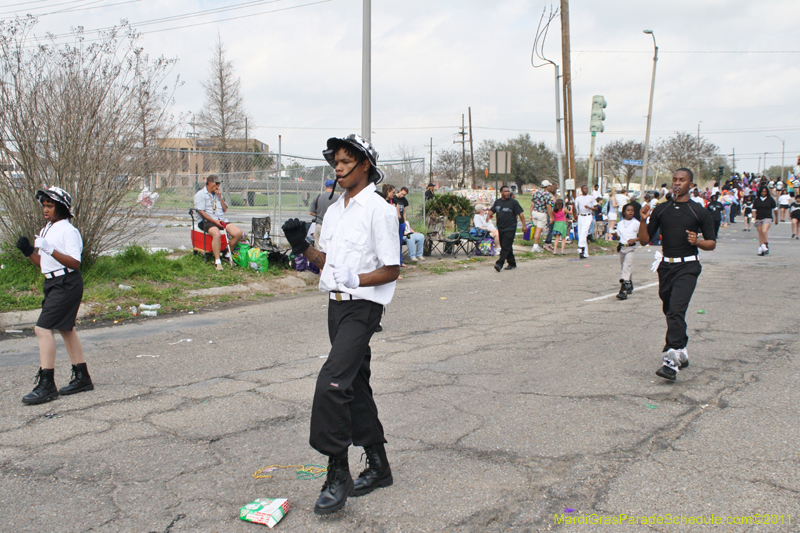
{"points": [[343, 274], [43, 246], [658, 256]]}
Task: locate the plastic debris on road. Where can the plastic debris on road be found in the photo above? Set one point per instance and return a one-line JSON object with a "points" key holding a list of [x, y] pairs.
{"points": [[267, 511], [146, 355], [701, 312], [180, 341], [149, 307], [569, 510], [149, 313], [13, 331], [125, 287], [651, 406], [304, 472]]}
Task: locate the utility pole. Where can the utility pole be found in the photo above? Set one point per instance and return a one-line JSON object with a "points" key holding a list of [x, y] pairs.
{"points": [[567, 76], [471, 153], [431, 181], [366, 73], [699, 166], [463, 143]]}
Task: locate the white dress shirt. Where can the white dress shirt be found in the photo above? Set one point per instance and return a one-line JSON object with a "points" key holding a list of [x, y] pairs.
{"points": [[66, 239], [365, 236]]}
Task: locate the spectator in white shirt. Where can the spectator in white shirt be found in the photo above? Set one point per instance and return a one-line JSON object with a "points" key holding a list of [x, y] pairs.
{"points": [[480, 222], [784, 201], [585, 205], [359, 264], [628, 231]]}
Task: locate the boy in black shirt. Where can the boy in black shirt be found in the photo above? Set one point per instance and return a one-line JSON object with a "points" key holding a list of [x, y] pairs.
{"points": [[715, 208], [507, 210], [680, 222]]}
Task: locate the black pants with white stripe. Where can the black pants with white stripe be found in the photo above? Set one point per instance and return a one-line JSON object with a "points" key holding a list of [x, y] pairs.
{"points": [[344, 411], [676, 284]]}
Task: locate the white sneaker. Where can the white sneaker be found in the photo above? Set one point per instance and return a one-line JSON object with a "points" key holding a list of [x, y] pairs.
{"points": [[421, 258], [536, 248], [684, 358], [672, 359], [414, 259]]}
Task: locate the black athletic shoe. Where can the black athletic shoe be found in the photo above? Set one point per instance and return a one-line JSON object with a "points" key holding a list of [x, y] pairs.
{"points": [[498, 267], [511, 267], [379, 329], [667, 372]]}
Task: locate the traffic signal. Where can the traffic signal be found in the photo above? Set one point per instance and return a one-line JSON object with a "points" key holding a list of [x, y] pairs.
{"points": [[598, 115], [721, 170]]}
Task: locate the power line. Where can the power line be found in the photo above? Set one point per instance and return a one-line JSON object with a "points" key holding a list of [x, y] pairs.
{"points": [[687, 51]]}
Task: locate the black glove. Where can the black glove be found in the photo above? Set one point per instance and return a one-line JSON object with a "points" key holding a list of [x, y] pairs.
{"points": [[295, 232], [24, 246]]}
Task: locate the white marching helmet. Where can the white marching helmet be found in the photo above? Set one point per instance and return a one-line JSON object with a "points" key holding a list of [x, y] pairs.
{"points": [[360, 144], [57, 194]]}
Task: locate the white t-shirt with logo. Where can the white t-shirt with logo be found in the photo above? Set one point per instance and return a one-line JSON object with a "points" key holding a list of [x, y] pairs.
{"points": [[65, 238]]}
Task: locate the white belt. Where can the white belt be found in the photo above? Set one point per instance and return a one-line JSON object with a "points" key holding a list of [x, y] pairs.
{"points": [[343, 296], [680, 259], [57, 273]]}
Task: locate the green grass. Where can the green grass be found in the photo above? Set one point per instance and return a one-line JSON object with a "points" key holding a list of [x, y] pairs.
{"points": [[152, 276]]}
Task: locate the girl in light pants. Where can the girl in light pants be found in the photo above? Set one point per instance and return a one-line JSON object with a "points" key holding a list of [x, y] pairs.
{"points": [[628, 230]]}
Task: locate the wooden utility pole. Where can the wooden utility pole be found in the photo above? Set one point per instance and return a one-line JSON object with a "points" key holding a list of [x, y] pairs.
{"points": [[567, 77], [471, 153], [463, 143]]}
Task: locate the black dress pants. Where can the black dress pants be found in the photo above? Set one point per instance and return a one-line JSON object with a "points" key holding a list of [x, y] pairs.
{"points": [[344, 411], [507, 248], [676, 283]]}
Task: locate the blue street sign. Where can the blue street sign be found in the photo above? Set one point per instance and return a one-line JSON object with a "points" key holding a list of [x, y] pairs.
{"points": [[636, 162]]}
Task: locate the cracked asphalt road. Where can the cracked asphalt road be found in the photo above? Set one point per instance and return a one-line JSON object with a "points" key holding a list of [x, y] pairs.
{"points": [[506, 398]]}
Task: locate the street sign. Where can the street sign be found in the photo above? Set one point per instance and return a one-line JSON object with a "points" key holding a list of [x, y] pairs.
{"points": [[499, 162], [636, 162]]}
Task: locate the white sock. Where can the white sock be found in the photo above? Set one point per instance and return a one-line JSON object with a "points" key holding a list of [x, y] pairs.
{"points": [[218, 261]]}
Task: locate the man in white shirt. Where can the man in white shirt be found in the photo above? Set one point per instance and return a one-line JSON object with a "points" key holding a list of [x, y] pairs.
{"points": [[585, 206], [359, 264], [212, 208]]}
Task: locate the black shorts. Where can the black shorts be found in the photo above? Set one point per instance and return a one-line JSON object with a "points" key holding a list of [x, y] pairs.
{"points": [[204, 224], [796, 214], [62, 298]]}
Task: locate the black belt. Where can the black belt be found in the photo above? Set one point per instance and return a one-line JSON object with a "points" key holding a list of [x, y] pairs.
{"points": [[57, 273]]}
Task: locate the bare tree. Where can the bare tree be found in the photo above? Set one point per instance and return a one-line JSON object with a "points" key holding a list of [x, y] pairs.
{"points": [[447, 166], [613, 155], [72, 118], [223, 116], [684, 150]]}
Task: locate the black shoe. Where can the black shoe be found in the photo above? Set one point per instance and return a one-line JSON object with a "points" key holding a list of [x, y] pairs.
{"points": [[667, 372], [498, 267], [45, 389], [379, 329], [338, 485], [378, 473], [623, 294], [81, 381], [629, 286], [511, 267]]}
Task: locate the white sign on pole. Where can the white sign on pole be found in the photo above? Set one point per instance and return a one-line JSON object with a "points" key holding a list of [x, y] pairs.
{"points": [[569, 184]]}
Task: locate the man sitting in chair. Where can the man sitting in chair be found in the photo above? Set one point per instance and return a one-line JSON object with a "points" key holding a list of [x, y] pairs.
{"points": [[211, 208]]}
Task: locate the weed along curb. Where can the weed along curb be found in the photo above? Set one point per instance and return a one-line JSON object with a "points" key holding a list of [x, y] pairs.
{"points": [[27, 319]]}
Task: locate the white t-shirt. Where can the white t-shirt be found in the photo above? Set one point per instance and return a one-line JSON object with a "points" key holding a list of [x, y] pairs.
{"points": [[621, 200], [364, 236], [66, 239], [784, 199], [627, 230], [480, 222], [699, 200], [596, 194], [584, 204]]}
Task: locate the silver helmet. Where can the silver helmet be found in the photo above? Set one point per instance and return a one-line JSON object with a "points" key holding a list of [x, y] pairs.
{"points": [[57, 194], [360, 144]]}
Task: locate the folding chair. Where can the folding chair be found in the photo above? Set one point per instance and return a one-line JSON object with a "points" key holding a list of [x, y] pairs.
{"points": [[437, 237], [462, 226]]}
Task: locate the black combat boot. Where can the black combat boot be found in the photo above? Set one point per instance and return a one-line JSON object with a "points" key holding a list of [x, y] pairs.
{"points": [[378, 473], [629, 288], [338, 485], [623, 292], [45, 389], [81, 381]]}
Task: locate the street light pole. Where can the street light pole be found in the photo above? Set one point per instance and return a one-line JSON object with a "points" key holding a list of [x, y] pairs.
{"points": [[649, 115], [783, 151]]}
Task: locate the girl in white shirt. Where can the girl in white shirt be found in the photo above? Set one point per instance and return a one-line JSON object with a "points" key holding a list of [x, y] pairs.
{"points": [[784, 200], [59, 258], [628, 231]]}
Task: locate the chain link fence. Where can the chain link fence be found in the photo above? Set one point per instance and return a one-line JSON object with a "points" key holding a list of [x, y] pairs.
{"points": [[253, 188]]}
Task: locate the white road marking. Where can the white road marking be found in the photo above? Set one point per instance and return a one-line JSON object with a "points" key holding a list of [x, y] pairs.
{"points": [[615, 293]]}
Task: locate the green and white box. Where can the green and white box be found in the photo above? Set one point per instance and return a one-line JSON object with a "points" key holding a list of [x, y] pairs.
{"points": [[267, 511]]}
